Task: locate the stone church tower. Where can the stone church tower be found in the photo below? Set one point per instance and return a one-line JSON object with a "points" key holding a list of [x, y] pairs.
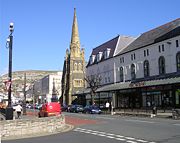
{"points": [[74, 67]]}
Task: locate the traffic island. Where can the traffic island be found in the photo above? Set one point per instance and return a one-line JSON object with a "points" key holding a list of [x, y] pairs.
{"points": [[24, 128]]}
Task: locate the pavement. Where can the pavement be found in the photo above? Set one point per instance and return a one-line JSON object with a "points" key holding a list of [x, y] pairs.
{"points": [[144, 113], [122, 112]]}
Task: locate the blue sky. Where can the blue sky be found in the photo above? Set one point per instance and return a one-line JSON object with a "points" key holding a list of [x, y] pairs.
{"points": [[43, 27]]}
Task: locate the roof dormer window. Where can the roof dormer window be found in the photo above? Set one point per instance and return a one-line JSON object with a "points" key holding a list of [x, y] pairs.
{"points": [[107, 53], [99, 56], [92, 58]]}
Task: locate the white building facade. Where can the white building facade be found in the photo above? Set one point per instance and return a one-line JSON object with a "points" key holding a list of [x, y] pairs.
{"points": [[145, 70], [101, 65], [42, 89]]}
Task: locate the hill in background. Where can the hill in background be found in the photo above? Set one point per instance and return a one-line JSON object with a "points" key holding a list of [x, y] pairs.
{"points": [[18, 79]]}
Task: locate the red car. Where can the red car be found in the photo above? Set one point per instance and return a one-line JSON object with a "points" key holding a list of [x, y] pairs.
{"points": [[50, 109]]}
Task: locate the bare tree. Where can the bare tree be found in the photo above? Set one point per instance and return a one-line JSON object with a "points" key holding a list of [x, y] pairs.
{"points": [[93, 83]]}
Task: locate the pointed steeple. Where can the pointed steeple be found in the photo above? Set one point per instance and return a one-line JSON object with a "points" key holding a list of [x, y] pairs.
{"points": [[75, 34]]}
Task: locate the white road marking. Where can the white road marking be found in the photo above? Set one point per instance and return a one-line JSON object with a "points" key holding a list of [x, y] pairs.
{"points": [[112, 136], [143, 141], [101, 135], [119, 136], [120, 139], [129, 120], [130, 138], [176, 124], [131, 141]]}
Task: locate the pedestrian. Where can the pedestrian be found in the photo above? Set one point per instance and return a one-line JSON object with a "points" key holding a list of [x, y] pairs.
{"points": [[107, 106], [18, 110], [154, 110]]}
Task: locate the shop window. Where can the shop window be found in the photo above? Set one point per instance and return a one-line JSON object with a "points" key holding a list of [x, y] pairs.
{"points": [[121, 74], [146, 68], [162, 65], [133, 72], [178, 61]]}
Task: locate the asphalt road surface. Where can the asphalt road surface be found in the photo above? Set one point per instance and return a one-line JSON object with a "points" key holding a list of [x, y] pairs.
{"points": [[114, 129]]}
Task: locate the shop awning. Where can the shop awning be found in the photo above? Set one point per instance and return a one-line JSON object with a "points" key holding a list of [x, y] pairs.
{"points": [[129, 85], [113, 87], [81, 92]]}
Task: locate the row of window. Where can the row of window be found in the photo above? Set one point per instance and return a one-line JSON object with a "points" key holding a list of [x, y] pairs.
{"points": [[99, 56], [146, 52], [146, 66], [78, 83]]}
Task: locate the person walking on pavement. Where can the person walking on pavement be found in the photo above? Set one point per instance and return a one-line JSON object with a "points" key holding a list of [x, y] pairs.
{"points": [[18, 110], [154, 110], [107, 107]]}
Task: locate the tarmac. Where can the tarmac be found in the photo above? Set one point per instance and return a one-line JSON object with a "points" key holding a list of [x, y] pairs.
{"points": [[69, 126]]}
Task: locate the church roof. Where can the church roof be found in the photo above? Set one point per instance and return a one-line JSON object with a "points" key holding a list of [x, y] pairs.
{"points": [[155, 35]]}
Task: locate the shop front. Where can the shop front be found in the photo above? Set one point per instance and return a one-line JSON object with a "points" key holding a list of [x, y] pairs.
{"points": [[162, 93], [160, 96], [100, 99]]}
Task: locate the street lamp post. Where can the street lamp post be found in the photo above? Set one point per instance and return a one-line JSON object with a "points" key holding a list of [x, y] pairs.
{"points": [[9, 109]]}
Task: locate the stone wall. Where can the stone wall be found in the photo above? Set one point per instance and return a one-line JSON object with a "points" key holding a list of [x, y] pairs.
{"points": [[24, 127]]}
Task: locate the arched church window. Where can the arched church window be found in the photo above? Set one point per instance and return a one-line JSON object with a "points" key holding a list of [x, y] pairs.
{"points": [[79, 67], [75, 66]]}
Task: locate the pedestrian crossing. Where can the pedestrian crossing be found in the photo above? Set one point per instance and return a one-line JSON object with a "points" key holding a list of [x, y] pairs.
{"points": [[112, 136]]}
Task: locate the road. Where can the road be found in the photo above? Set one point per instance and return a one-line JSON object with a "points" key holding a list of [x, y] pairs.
{"points": [[114, 129]]}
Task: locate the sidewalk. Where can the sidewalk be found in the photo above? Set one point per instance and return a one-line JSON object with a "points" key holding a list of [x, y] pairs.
{"points": [[143, 113]]}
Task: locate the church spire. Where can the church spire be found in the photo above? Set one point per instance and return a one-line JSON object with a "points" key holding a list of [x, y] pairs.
{"points": [[75, 42]]}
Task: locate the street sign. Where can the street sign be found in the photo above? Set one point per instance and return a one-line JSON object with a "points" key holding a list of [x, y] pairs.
{"points": [[7, 84]]}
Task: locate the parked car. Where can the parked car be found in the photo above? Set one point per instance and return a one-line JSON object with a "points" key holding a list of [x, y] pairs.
{"points": [[50, 109], [76, 108], [92, 109]]}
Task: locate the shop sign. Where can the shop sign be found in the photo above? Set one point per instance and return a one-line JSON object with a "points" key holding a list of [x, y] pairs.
{"points": [[137, 84]]}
